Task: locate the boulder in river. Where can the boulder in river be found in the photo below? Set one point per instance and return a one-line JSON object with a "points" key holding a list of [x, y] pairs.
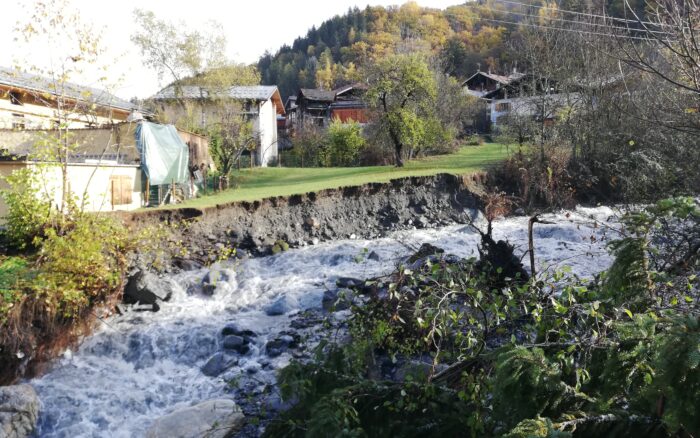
{"points": [[146, 288], [19, 411], [217, 364], [235, 329], [217, 418], [280, 306], [212, 279], [236, 343]]}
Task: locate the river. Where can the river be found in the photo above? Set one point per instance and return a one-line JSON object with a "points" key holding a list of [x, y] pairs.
{"points": [[138, 366]]}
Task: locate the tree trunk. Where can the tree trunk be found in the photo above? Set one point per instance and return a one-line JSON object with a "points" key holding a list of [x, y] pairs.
{"points": [[398, 148]]}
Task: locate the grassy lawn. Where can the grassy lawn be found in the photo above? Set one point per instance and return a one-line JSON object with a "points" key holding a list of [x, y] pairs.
{"points": [[262, 183]]}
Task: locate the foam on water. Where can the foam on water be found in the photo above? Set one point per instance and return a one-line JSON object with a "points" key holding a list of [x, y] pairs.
{"points": [[138, 367]]}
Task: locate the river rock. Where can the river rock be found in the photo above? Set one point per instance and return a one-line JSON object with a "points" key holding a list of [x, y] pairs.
{"points": [[19, 411], [236, 343], [212, 419], [348, 282], [278, 307], [217, 364], [146, 288], [336, 300], [235, 329], [212, 279]]}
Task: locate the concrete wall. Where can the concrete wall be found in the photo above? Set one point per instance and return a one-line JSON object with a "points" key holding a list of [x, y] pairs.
{"points": [[95, 186]]}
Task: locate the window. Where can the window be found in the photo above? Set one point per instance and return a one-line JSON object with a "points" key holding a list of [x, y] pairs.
{"points": [[18, 121], [503, 107], [15, 98]]}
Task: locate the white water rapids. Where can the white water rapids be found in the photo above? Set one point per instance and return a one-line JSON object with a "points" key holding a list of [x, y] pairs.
{"points": [[140, 366]]}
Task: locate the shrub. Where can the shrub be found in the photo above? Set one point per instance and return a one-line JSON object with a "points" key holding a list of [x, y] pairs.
{"points": [[344, 144], [29, 212]]}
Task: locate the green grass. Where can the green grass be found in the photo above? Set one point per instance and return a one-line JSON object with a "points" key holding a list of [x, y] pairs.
{"points": [[259, 183]]}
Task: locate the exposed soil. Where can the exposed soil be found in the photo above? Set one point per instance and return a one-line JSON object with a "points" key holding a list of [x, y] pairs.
{"points": [[273, 224]]}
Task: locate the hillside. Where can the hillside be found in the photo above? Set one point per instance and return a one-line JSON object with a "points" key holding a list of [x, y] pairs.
{"points": [[463, 38]]}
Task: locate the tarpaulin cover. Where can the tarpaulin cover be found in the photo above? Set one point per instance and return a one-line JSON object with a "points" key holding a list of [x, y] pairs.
{"points": [[164, 156]]}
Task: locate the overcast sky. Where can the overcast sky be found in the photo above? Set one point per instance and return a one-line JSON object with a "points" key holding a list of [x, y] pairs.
{"points": [[251, 27]]}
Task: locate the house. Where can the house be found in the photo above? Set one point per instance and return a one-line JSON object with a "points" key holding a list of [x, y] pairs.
{"points": [[313, 107], [30, 101], [518, 94], [258, 103], [481, 83], [527, 96], [349, 104]]}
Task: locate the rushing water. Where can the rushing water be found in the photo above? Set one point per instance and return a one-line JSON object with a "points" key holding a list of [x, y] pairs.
{"points": [[140, 366]]}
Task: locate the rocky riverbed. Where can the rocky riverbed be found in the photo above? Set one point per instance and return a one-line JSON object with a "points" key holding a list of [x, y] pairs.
{"points": [[226, 329]]}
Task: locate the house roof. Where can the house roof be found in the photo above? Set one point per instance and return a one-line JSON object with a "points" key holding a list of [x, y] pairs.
{"points": [[239, 92], [12, 78], [503, 80], [317, 94], [346, 88]]}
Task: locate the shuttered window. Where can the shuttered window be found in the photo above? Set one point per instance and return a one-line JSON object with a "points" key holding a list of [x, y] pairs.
{"points": [[121, 187]]}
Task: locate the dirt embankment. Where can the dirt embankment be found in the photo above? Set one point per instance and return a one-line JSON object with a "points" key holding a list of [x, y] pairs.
{"points": [[366, 211]]}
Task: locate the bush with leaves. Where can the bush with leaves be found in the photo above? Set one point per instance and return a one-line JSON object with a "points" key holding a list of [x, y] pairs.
{"points": [[29, 212], [344, 144], [556, 357]]}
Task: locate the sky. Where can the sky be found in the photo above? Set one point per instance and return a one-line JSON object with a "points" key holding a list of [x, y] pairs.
{"points": [[251, 27]]}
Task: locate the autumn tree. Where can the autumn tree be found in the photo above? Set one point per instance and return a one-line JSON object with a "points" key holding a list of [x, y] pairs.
{"points": [[229, 137], [402, 92], [74, 48]]}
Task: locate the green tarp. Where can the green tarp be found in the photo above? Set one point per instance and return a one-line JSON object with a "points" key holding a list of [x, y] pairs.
{"points": [[164, 156]]}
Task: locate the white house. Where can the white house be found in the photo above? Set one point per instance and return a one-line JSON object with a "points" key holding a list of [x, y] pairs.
{"points": [[260, 103]]}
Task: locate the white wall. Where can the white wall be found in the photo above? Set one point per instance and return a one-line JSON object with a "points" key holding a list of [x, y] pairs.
{"points": [[42, 117], [266, 125], [529, 106], [89, 183]]}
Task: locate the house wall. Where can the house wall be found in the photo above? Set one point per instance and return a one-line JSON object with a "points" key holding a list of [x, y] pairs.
{"points": [[266, 126], [530, 106], [263, 115], [199, 149], [35, 114], [95, 185]]}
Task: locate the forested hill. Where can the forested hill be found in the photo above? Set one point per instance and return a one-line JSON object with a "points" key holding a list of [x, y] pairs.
{"points": [[464, 36]]}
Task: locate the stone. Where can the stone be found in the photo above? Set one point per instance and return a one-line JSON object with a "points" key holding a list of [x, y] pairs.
{"points": [[232, 342], [217, 418], [217, 364], [336, 300], [423, 222], [186, 264], [19, 411], [425, 250], [234, 329], [312, 222], [373, 256], [212, 279], [348, 282], [278, 307], [146, 288]]}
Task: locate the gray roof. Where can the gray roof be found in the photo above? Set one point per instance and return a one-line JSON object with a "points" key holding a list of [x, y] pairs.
{"points": [[252, 92], [318, 95], [41, 84]]}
